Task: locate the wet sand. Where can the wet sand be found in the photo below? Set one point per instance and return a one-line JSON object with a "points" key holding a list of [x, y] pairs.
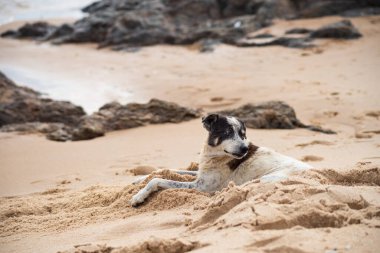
{"points": [[85, 184]]}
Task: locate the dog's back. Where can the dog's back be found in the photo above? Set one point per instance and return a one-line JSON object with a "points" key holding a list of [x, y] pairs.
{"points": [[268, 165]]}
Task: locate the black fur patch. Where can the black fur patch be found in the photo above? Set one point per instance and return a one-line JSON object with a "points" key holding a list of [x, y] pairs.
{"points": [[235, 163], [221, 130]]}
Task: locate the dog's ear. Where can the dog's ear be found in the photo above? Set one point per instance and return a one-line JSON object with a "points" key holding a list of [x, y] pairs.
{"points": [[209, 120], [242, 123]]}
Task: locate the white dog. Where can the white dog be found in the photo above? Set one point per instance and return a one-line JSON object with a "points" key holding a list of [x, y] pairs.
{"points": [[228, 156]]}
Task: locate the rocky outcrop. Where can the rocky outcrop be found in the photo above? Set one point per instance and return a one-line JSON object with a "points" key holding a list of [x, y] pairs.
{"points": [[21, 104], [343, 29], [23, 110], [114, 116], [339, 30], [271, 115], [32, 31], [128, 24], [304, 42]]}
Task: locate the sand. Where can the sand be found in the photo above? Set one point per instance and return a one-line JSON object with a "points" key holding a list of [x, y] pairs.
{"points": [[75, 196], [324, 200]]}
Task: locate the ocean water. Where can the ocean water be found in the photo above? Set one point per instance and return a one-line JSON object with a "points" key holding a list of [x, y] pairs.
{"points": [[91, 93], [60, 84], [14, 10]]}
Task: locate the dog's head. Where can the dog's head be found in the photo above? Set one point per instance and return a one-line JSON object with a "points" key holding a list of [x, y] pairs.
{"points": [[226, 135]]}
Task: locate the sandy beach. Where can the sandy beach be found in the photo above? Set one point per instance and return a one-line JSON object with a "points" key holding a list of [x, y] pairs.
{"points": [[56, 196]]}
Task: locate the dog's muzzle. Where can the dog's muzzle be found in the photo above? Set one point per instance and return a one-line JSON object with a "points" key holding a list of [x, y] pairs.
{"points": [[239, 155]]}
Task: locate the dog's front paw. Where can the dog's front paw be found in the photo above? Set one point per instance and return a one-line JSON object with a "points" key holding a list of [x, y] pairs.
{"points": [[136, 200], [140, 179]]}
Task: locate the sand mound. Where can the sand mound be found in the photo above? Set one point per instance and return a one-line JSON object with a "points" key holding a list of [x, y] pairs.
{"points": [[357, 176], [153, 245], [142, 170], [313, 199], [56, 210], [222, 203]]}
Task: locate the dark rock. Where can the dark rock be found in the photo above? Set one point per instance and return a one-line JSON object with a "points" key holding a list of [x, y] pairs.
{"points": [[277, 41], [127, 49], [20, 105], [126, 24], [37, 30], [361, 12], [262, 36], [116, 116], [293, 42], [207, 45], [339, 30], [313, 9], [270, 115], [89, 128], [33, 127], [59, 32], [23, 110], [298, 31], [61, 134], [53, 131]]}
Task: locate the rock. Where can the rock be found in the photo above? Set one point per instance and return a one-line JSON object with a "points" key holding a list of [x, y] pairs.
{"points": [[270, 115], [313, 9], [20, 105], [293, 42], [36, 30], [33, 127], [23, 110], [207, 45], [339, 30], [61, 134], [290, 42], [89, 128], [369, 11], [58, 32], [273, 114], [116, 116], [262, 36], [126, 24], [53, 131], [298, 31]]}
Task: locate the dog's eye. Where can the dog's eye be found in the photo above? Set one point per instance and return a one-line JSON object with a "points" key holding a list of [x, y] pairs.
{"points": [[242, 134]]}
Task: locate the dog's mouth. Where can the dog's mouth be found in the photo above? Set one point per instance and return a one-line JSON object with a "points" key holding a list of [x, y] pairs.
{"points": [[236, 155]]}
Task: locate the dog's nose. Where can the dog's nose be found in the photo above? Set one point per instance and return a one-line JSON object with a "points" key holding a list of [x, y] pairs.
{"points": [[243, 149]]}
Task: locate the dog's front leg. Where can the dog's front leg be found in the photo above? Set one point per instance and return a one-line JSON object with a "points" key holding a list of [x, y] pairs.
{"points": [[140, 179], [180, 172], [187, 172], [156, 183]]}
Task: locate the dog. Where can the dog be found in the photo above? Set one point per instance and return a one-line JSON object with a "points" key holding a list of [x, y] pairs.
{"points": [[228, 156]]}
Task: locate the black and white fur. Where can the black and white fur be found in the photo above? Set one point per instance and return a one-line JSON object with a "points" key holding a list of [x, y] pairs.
{"points": [[228, 156]]}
